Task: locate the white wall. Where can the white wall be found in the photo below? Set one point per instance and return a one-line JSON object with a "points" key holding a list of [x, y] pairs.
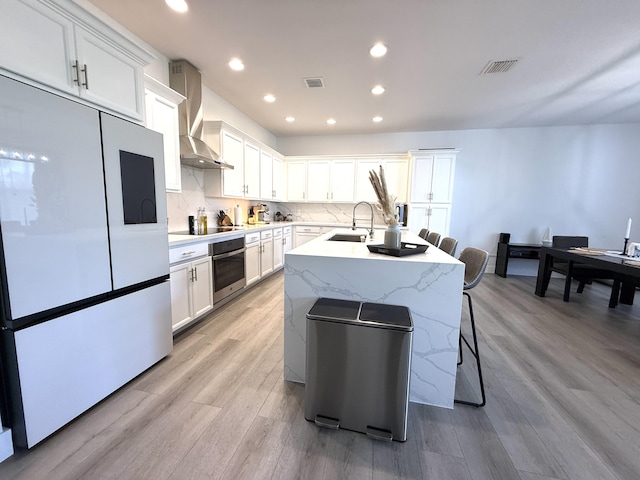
{"points": [[577, 180]]}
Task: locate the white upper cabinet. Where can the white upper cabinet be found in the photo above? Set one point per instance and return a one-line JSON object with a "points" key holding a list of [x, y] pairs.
{"points": [[342, 180], [162, 116], [432, 180], [396, 175], [266, 176], [319, 188], [278, 178], [296, 180], [63, 48], [251, 171]]}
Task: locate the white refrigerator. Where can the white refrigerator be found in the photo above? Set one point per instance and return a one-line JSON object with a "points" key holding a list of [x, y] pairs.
{"points": [[84, 264]]}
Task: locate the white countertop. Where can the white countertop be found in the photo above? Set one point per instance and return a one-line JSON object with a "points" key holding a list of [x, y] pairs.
{"points": [[323, 247], [177, 239]]}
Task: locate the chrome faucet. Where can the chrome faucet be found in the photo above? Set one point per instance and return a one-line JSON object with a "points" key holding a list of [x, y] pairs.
{"points": [[353, 227]]}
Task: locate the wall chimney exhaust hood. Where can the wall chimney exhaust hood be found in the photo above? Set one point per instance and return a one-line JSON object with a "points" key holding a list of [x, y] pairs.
{"points": [[185, 79]]}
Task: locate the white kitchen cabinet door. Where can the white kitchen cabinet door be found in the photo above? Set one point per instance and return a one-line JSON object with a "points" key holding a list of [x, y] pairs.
{"points": [[342, 180], [319, 181], [162, 116], [364, 190], [266, 257], [278, 179], [252, 263], [435, 217], [397, 173], [38, 43], [278, 248], [251, 171], [109, 77], [232, 153], [180, 279], [296, 181], [266, 176], [432, 178], [202, 286], [287, 240], [44, 42]]}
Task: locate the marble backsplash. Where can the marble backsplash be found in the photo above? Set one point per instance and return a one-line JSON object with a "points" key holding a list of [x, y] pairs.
{"points": [[181, 205]]}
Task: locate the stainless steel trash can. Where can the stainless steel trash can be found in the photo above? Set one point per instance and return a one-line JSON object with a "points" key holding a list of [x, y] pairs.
{"points": [[358, 367]]}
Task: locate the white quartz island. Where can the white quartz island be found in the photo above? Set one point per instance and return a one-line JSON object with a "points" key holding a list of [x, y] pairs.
{"points": [[430, 284]]}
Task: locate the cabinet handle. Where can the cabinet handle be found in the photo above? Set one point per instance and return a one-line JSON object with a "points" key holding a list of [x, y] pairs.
{"points": [[327, 195], [85, 70], [303, 195], [188, 253], [76, 68], [331, 195], [191, 274], [273, 194], [195, 271]]}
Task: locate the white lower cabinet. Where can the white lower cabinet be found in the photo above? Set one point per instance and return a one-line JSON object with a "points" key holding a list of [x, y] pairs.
{"points": [[305, 234], [252, 257], [191, 291], [266, 252], [287, 240], [435, 217], [278, 248]]}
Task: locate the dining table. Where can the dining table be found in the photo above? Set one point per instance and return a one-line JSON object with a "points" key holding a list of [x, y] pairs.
{"points": [[625, 270]]}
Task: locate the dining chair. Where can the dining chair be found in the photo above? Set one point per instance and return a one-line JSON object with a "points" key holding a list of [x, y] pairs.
{"points": [[448, 245], [583, 273], [424, 233], [433, 238], [475, 263]]}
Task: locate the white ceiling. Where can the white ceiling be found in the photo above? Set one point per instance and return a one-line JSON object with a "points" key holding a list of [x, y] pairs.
{"points": [[579, 60]]}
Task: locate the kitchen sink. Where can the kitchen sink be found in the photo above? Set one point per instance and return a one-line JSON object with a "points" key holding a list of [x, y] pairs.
{"points": [[345, 237]]}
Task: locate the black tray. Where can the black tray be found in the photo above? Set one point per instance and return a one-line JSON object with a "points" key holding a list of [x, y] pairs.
{"points": [[405, 249]]}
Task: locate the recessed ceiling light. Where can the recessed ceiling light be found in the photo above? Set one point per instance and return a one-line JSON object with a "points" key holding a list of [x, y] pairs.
{"points": [[269, 98], [331, 121], [236, 64], [178, 5], [290, 119], [378, 50], [378, 90], [377, 119]]}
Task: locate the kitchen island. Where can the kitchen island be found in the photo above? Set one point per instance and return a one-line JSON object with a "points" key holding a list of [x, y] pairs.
{"points": [[429, 284]]}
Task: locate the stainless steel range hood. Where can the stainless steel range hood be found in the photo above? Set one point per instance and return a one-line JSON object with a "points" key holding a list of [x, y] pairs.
{"points": [[185, 79]]}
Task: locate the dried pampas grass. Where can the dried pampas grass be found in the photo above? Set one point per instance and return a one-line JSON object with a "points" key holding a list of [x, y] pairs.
{"points": [[386, 202]]}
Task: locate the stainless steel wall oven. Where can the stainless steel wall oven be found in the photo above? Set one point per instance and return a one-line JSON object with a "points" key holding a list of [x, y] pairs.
{"points": [[228, 257]]}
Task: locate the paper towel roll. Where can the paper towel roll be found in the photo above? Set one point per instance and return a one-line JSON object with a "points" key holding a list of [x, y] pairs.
{"points": [[633, 249], [237, 215]]}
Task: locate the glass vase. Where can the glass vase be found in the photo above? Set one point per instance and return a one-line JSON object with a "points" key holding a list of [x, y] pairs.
{"points": [[392, 236]]}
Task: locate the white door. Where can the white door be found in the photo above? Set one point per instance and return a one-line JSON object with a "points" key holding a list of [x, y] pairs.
{"points": [[266, 176], [133, 157], [342, 180], [232, 153], [318, 188], [439, 216], [266, 257], [364, 190], [180, 279], [251, 171], [278, 248], [52, 200], [202, 286], [108, 77], [252, 263], [39, 44], [396, 173], [422, 177], [442, 183], [296, 181], [278, 179]]}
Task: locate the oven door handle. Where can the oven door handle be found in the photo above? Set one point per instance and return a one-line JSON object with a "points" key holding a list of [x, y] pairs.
{"points": [[229, 254]]}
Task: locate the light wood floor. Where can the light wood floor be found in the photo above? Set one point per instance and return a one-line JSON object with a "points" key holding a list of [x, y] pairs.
{"points": [[562, 380]]}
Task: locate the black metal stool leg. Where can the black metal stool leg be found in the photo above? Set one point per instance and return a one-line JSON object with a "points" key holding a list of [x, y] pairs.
{"points": [[460, 348], [476, 354]]}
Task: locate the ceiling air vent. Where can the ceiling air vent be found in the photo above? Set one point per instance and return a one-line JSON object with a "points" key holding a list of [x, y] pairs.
{"points": [[498, 66], [316, 82]]}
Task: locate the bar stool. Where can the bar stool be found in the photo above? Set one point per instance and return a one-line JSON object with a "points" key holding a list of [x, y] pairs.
{"points": [[475, 261], [448, 245], [424, 233], [433, 238]]}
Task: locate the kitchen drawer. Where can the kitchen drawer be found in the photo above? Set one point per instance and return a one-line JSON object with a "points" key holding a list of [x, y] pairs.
{"points": [[188, 252], [277, 233], [266, 234], [308, 229], [252, 238], [286, 230]]}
